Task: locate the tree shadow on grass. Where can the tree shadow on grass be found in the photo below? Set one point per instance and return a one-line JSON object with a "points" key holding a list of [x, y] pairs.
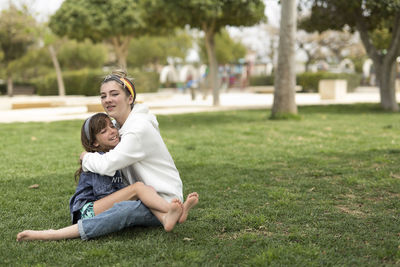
{"points": [[344, 109], [213, 118], [261, 115]]}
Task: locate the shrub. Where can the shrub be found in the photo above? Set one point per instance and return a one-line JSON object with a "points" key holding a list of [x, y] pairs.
{"points": [[16, 84], [145, 82], [87, 82], [261, 80], [309, 80], [3, 88]]}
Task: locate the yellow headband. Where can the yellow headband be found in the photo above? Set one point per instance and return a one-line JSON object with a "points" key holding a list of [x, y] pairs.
{"points": [[129, 86]]}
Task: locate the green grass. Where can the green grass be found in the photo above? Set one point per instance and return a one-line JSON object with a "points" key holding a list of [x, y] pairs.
{"points": [[323, 190]]}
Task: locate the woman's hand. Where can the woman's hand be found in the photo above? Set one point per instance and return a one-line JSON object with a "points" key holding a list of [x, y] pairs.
{"points": [[82, 155]]}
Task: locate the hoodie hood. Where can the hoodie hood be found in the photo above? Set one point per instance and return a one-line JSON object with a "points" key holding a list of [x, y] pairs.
{"points": [[140, 112]]}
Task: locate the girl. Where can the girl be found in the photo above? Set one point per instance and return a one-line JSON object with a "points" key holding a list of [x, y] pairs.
{"points": [[96, 193], [141, 154]]}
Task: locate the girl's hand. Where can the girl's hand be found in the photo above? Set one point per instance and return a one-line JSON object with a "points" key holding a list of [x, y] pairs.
{"points": [[82, 155]]}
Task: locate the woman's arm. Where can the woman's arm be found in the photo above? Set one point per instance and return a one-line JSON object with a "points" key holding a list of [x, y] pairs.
{"points": [[127, 152]]}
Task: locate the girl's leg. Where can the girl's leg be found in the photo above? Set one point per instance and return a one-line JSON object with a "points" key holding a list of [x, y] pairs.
{"points": [[63, 233], [124, 194], [135, 191]]}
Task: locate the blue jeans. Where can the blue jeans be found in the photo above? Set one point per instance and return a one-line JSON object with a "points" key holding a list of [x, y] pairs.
{"points": [[121, 215]]}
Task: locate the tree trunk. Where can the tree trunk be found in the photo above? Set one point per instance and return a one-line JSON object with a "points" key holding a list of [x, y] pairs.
{"points": [[385, 64], [212, 59], [10, 87], [386, 75], [60, 81], [285, 75], [121, 47]]}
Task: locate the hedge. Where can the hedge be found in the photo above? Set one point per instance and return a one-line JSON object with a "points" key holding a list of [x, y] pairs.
{"points": [[87, 82], [309, 80], [3, 86]]}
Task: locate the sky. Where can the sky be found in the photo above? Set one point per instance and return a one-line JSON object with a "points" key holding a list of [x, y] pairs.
{"points": [[41, 9], [45, 8]]}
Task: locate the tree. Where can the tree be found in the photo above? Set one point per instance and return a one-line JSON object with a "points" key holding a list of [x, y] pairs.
{"points": [[370, 18], [285, 75], [227, 50], [310, 43], [50, 42], [75, 55], [153, 51], [331, 45], [210, 16], [113, 21], [17, 33]]}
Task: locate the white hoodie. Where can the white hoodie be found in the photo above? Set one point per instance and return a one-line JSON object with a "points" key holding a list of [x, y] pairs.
{"points": [[141, 155]]}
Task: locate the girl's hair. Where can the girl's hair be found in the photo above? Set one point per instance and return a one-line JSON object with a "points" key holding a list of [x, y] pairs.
{"points": [[120, 76], [92, 126]]}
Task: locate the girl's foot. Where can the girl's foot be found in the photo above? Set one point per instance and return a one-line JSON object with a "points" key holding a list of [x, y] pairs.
{"points": [[35, 235], [173, 215]]}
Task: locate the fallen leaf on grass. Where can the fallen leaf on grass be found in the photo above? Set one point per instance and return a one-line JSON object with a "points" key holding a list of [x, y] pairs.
{"points": [[34, 186], [188, 239], [395, 176], [33, 138]]}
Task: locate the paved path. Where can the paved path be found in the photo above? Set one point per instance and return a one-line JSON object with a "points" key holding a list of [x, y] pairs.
{"points": [[74, 107]]}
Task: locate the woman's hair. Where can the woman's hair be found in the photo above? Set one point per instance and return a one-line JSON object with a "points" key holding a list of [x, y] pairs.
{"points": [[90, 128], [120, 76]]}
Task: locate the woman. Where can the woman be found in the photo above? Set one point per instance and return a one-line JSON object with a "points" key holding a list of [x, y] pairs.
{"points": [[141, 154], [96, 193]]}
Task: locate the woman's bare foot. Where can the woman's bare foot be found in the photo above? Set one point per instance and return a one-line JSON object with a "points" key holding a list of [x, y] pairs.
{"points": [[173, 215], [191, 201], [35, 235]]}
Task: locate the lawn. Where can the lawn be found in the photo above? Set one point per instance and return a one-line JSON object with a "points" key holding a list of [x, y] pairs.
{"points": [[323, 190]]}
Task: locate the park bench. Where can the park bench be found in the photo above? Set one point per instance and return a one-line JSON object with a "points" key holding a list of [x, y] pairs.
{"points": [[38, 104]]}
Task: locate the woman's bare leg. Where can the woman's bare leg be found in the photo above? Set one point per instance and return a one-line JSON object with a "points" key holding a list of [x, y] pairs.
{"points": [[191, 201], [135, 191], [63, 233], [151, 198]]}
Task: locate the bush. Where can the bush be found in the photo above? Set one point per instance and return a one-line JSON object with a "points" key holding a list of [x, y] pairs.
{"points": [[87, 82], [145, 82], [80, 82], [16, 85], [309, 80], [74, 55], [3, 88], [261, 80]]}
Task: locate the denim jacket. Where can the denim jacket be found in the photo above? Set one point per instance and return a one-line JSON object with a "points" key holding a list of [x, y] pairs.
{"points": [[92, 187]]}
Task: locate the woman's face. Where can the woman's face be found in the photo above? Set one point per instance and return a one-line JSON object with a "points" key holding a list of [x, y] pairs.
{"points": [[115, 101], [107, 138]]}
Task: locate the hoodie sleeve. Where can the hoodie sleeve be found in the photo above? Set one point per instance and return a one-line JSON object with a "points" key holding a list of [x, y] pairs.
{"points": [[127, 152]]}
